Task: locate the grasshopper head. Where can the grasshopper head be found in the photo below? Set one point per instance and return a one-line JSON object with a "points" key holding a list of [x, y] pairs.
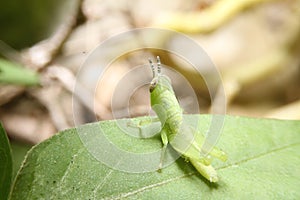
{"points": [[159, 83]]}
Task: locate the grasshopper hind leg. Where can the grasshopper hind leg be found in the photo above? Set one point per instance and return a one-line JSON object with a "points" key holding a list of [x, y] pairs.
{"points": [[206, 171], [219, 154]]}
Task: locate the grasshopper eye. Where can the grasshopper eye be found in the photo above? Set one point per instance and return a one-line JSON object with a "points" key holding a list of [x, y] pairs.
{"points": [[152, 86]]}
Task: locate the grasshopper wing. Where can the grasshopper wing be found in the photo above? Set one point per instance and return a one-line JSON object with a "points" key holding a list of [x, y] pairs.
{"points": [[188, 142]]}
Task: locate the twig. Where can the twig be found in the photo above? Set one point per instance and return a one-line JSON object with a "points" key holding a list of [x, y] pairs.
{"points": [[235, 80], [275, 61], [290, 111], [46, 50], [68, 81], [49, 97], [41, 54], [208, 20], [8, 92]]}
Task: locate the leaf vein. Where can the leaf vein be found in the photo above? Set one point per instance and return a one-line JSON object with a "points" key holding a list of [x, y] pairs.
{"points": [[148, 187], [70, 164], [259, 155], [102, 183]]}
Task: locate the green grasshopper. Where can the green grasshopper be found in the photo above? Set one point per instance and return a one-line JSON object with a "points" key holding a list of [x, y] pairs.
{"points": [[183, 138]]}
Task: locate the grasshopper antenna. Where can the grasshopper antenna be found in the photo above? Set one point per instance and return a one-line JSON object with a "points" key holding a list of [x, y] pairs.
{"points": [[158, 65], [152, 67]]}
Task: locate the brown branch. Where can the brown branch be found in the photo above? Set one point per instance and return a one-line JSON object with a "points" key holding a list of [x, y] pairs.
{"points": [[41, 54]]}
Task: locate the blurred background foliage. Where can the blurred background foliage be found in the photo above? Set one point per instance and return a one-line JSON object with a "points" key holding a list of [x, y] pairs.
{"points": [[24, 23], [254, 44]]}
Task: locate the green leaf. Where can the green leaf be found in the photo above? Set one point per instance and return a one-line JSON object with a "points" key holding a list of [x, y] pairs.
{"points": [[19, 151], [263, 164], [12, 73], [6, 165]]}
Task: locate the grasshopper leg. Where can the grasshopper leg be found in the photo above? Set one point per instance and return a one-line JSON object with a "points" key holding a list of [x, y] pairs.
{"points": [[165, 142]]}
